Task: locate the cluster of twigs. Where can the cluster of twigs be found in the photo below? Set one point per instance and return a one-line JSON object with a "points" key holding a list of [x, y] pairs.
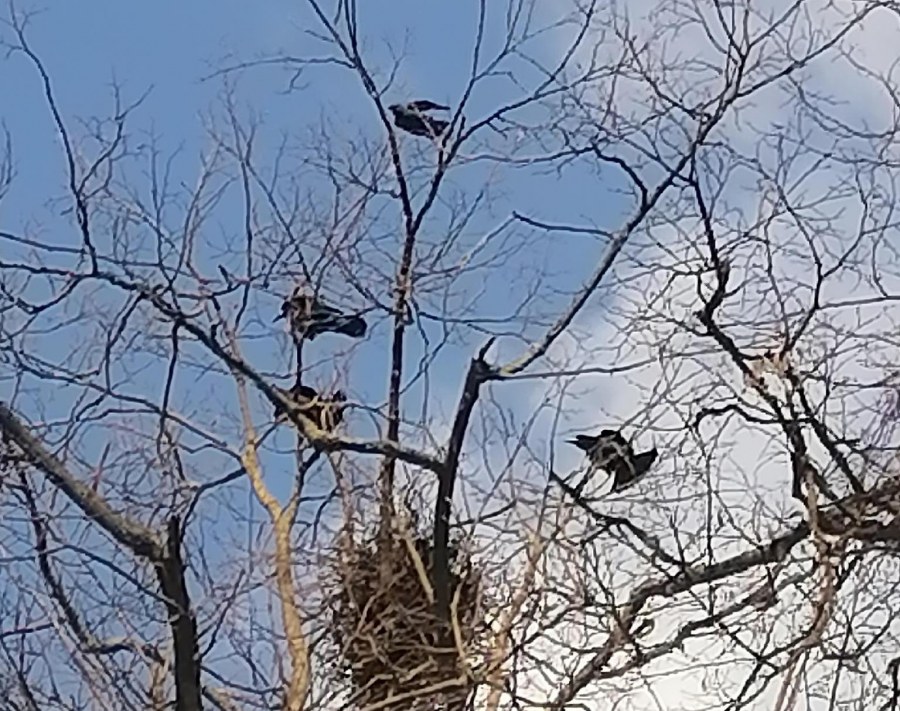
{"points": [[393, 646]]}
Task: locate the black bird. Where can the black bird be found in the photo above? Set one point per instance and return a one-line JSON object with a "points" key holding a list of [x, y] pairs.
{"points": [[309, 317], [609, 451], [326, 413], [412, 119]]}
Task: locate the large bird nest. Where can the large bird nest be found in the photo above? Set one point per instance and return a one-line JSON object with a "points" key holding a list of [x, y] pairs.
{"points": [[391, 642]]}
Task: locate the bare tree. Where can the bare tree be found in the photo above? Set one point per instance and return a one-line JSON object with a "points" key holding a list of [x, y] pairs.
{"points": [[674, 220]]}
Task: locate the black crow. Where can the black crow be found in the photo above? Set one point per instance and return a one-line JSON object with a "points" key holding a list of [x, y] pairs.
{"points": [[309, 317], [609, 451], [326, 413], [410, 118]]}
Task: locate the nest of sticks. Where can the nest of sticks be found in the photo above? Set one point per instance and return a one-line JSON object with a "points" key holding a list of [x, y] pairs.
{"points": [[391, 642]]}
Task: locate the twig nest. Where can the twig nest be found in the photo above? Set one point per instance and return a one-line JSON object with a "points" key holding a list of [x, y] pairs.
{"points": [[390, 641]]}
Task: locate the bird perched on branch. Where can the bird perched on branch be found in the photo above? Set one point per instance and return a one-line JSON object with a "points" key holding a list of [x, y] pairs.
{"points": [[326, 412], [309, 317], [611, 452], [411, 118]]}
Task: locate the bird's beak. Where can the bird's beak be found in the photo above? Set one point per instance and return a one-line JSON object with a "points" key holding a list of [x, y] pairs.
{"points": [[572, 441], [278, 317]]}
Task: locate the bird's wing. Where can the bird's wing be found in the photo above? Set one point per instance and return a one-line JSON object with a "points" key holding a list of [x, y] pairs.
{"points": [[411, 123], [427, 105], [322, 310], [629, 469], [623, 476]]}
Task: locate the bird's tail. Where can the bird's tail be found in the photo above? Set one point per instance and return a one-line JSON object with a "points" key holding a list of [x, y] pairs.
{"points": [[353, 326]]}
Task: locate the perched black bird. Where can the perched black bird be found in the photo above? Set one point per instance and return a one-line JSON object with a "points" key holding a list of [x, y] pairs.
{"points": [[412, 119], [609, 451], [309, 317], [327, 413]]}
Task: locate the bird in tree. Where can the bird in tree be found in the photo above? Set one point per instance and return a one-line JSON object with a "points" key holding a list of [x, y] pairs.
{"points": [[411, 117], [610, 452], [326, 412], [309, 317]]}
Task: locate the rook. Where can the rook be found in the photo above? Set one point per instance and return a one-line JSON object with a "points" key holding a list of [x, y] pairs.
{"points": [[609, 451], [309, 317], [326, 413]]}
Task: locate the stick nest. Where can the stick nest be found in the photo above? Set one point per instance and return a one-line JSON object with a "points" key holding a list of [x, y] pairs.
{"points": [[391, 643]]}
